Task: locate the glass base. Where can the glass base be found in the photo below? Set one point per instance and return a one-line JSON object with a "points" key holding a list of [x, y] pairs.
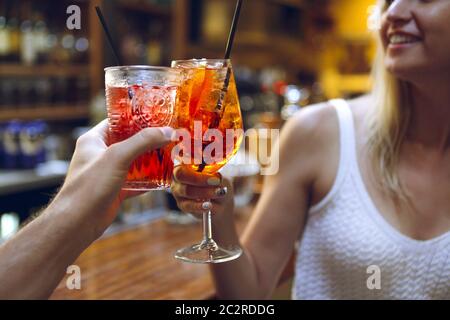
{"points": [[202, 254]]}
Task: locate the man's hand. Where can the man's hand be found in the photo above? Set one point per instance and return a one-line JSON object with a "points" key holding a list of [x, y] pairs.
{"points": [[33, 262], [97, 172]]}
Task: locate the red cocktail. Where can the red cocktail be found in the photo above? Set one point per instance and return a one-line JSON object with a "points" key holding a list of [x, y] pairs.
{"points": [[138, 97]]}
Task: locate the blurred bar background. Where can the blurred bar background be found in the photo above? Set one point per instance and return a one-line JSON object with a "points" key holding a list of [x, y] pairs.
{"points": [[288, 54]]}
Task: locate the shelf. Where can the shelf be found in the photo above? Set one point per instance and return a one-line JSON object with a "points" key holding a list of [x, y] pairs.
{"points": [[15, 181], [255, 40], [143, 7], [299, 4], [277, 48], [43, 70], [57, 112], [241, 45]]}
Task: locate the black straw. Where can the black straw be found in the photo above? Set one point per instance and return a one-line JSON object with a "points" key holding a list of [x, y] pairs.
{"points": [[230, 42], [111, 43], [108, 35], [234, 24], [223, 92]]}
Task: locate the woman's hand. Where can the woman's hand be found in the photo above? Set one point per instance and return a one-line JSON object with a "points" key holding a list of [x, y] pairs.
{"points": [[196, 192]]}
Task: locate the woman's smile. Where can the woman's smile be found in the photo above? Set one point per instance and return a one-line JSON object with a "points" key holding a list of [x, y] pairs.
{"points": [[400, 41]]}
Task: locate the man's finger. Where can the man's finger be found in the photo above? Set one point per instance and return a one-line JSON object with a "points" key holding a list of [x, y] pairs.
{"points": [[101, 129], [146, 139], [95, 136]]}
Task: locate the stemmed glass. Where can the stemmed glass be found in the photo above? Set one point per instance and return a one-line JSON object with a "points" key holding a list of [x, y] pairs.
{"points": [[208, 101]]}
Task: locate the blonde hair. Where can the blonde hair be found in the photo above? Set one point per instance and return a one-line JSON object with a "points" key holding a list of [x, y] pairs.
{"points": [[388, 121]]}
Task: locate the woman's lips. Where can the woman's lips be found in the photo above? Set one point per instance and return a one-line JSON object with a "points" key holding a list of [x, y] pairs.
{"points": [[398, 47], [401, 41]]}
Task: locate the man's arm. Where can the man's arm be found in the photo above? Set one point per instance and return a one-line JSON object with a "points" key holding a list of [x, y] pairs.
{"points": [[34, 261]]}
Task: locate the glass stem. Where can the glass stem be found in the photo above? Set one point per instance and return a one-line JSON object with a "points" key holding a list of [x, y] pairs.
{"points": [[208, 243]]}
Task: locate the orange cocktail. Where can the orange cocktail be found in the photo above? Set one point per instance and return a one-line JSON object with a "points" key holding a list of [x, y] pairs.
{"points": [[209, 113], [199, 112]]}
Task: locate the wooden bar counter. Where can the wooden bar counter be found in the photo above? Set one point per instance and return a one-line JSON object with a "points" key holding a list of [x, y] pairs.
{"points": [[139, 264]]}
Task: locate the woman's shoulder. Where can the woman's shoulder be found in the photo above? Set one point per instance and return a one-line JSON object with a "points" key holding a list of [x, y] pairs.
{"points": [[310, 142], [320, 121], [312, 123], [311, 137], [360, 106]]}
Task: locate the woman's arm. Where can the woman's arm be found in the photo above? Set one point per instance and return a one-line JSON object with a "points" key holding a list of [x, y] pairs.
{"points": [[279, 217], [34, 261]]}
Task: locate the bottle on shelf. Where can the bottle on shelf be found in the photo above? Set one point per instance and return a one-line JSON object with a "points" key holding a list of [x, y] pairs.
{"points": [[40, 40], [28, 49], [5, 44], [14, 38], [9, 37], [2, 152], [51, 46], [26, 92], [43, 90], [82, 90], [60, 90], [11, 145], [32, 144], [8, 93], [81, 50], [13, 13]]}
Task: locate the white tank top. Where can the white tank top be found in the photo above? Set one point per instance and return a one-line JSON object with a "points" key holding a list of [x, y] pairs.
{"points": [[349, 251]]}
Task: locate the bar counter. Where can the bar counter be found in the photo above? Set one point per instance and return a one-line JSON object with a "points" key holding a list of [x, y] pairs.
{"points": [[138, 264]]}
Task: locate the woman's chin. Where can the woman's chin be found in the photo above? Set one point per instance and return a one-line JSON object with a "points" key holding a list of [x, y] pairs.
{"points": [[404, 72]]}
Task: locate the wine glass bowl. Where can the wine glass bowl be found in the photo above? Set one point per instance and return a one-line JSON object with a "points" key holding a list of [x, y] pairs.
{"points": [[208, 108]]}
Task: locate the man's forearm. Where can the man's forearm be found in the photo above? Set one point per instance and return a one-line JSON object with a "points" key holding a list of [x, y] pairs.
{"points": [[34, 261]]}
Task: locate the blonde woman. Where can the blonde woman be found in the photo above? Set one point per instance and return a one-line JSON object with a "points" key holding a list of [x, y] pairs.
{"points": [[363, 190]]}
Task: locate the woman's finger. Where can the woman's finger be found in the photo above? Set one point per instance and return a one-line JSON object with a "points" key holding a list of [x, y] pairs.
{"points": [[197, 208], [185, 175], [194, 192]]}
